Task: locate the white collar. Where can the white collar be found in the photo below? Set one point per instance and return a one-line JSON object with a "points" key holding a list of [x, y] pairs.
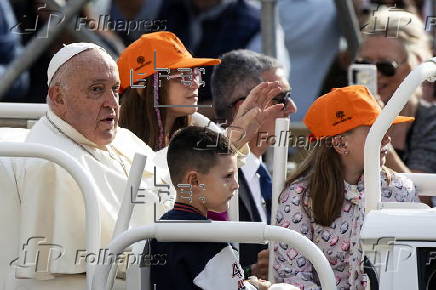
{"points": [[252, 163]]}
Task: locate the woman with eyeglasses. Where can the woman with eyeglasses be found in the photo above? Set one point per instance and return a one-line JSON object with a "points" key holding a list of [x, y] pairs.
{"points": [[324, 197], [159, 93], [395, 41]]}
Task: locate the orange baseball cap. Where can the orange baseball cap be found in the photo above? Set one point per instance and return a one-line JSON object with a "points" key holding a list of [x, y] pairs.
{"points": [[344, 109], [170, 53]]}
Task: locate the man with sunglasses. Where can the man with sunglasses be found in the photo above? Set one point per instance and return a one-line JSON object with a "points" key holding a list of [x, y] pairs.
{"points": [[239, 72]]}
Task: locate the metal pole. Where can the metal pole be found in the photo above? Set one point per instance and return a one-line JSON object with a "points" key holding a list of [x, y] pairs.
{"points": [[350, 25], [280, 162], [38, 45], [269, 23], [433, 8]]}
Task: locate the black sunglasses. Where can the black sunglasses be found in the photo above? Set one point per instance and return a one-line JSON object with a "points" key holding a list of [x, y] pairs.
{"points": [[281, 98], [388, 68]]}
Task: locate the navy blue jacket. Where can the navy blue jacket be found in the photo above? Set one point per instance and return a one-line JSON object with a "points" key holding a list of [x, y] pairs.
{"points": [[189, 265]]}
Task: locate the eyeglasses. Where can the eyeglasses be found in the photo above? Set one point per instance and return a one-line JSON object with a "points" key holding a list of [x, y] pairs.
{"points": [[388, 68], [188, 75], [281, 98], [187, 72]]}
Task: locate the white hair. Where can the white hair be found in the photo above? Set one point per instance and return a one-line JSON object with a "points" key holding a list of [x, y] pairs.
{"points": [[404, 26]]}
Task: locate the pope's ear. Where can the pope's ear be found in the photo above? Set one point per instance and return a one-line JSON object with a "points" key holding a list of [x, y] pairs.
{"points": [[56, 98]]}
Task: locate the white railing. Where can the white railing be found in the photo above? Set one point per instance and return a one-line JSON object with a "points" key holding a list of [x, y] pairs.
{"points": [[87, 186], [425, 182], [242, 232], [423, 72], [22, 111], [126, 208], [280, 161]]}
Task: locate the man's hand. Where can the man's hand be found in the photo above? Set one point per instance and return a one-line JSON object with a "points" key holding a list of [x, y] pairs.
{"points": [[260, 269], [256, 109]]}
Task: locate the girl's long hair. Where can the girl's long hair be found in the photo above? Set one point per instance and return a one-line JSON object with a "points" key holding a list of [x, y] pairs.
{"points": [[138, 114], [324, 173]]}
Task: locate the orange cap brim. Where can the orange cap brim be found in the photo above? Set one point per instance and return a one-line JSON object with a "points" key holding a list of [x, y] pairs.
{"points": [[402, 119], [192, 62], [186, 63]]}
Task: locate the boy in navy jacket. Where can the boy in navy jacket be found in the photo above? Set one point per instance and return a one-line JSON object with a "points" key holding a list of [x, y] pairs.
{"points": [[203, 166]]}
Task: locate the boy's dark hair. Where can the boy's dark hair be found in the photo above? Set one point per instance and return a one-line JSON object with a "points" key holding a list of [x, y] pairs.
{"points": [[195, 148]]}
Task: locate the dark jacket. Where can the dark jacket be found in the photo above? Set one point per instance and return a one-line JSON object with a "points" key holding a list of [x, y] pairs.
{"points": [[248, 212]]}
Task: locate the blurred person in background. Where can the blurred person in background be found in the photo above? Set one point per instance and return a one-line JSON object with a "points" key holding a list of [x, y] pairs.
{"points": [[10, 48], [32, 16], [366, 7], [312, 40], [239, 72], [142, 13], [363, 9], [396, 49], [423, 8]]}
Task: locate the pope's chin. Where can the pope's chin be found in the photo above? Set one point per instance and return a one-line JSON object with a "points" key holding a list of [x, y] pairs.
{"points": [[106, 136]]}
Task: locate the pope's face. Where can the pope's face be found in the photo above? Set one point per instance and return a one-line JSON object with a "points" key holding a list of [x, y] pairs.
{"points": [[91, 97]]}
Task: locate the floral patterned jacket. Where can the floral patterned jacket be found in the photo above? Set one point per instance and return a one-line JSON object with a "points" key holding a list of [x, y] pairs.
{"points": [[339, 242]]}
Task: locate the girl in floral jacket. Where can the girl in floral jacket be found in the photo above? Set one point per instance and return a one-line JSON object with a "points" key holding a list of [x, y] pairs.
{"points": [[324, 199]]}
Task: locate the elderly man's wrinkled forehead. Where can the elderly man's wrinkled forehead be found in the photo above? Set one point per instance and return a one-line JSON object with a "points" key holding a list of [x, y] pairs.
{"points": [[84, 66]]}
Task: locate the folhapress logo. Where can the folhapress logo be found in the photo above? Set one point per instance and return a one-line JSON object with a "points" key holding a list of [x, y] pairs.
{"points": [[38, 254], [50, 16]]}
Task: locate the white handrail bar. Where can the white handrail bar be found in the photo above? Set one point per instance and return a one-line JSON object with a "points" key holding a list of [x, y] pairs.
{"points": [[425, 182], [280, 160], [130, 194], [425, 71], [22, 110], [86, 184], [242, 232]]}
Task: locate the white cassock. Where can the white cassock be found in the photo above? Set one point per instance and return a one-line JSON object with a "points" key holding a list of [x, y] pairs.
{"points": [[52, 207]]}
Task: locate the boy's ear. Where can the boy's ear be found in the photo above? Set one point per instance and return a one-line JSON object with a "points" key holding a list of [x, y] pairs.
{"points": [[192, 178]]}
